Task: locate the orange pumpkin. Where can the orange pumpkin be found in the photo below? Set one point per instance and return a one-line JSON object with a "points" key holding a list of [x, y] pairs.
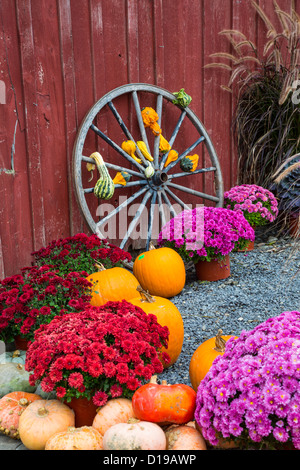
{"points": [[116, 410], [204, 356], [41, 419], [113, 284], [83, 438], [163, 403], [12, 406], [167, 315], [161, 271]]}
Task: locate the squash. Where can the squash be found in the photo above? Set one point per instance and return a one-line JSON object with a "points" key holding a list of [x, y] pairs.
{"points": [[83, 438], [204, 356], [129, 147], [167, 315], [149, 171], [12, 406], [150, 119], [143, 148], [182, 98], [164, 145], [122, 177], [172, 156], [41, 419], [184, 437], [104, 188], [14, 377], [134, 435], [164, 403], [116, 410], [189, 163], [111, 284], [18, 356], [161, 271]]}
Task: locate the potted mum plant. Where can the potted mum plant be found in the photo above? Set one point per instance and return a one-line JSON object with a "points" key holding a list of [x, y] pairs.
{"points": [[80, 253], [34, 297], [251, 393], [96, 354], [206, 236], [258, 205]]}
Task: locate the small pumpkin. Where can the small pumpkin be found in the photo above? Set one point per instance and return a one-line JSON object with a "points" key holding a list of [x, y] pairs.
{"points": [[112, 284], [184, 437], [182, 98], [150, 119], [167, 315], [134, 435], [41, 419], [83, 438], [189, 163], [116, 410], [104, 188], [18, 356], [12, 406], [164, 403], [122, 177], [204, 356], [161, 271], [172, 156]]}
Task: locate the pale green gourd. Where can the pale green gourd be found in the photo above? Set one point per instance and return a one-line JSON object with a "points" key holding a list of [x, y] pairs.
{"points": [[104, 188]]}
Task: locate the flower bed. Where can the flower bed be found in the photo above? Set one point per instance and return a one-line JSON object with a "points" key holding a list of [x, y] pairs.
{"points": [[34, 297], [258, 205], [80, 253], [99, 353], [251, 393], [206, 233]]}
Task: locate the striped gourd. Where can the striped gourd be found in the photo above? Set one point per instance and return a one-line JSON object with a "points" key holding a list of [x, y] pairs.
{"points": [[104, 188]]}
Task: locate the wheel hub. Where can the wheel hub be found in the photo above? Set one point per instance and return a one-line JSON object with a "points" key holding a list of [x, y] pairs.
{"points": [[158, 179]]}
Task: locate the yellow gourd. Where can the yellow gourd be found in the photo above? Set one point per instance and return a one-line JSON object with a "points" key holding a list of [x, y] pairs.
{"points": [[172, 156], [129, 147], [189, 163], [122, 177], [150, 118], [143, 148], [164, 145]]}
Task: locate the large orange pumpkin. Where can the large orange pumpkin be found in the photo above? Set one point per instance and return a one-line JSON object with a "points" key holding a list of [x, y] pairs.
{"points": [[204, 356], [164, 403], [161, 271], [113, 284], [167, 315]]}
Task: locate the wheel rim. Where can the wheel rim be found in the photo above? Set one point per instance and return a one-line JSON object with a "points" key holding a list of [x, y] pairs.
{"points": [[162, 186]]}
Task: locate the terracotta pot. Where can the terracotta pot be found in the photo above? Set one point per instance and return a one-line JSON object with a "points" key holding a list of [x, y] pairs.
{"points": [[21, 343], [213, 270], [84, 409], [249, 247]]}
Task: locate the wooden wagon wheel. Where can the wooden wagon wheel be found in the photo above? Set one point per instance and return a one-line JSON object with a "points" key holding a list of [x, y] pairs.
{"points": [[162, 185]]}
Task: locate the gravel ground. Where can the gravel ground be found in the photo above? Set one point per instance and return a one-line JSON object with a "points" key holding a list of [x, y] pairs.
{"points": [[263, 283]]}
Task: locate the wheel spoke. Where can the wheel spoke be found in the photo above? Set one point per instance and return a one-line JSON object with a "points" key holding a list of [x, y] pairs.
{"points": [[126, 130], [177, 199], [120, 207], [173, 137], [116, 147], [162, 215], [185, 153], [194, 192], [113, 167], [173, 212], [187, 173], [135, 218], [151, 218], [157, 138]]}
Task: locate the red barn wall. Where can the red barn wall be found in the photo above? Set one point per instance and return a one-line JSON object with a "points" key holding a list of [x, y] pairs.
{"points": [[58, 57]]}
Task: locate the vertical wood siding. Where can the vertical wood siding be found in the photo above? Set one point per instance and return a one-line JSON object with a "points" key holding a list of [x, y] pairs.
{"points": [[58, 57]]}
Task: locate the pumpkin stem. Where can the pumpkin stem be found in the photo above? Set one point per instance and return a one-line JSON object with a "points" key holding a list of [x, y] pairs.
{"points": [[100, 267], [19, 366], [16, 353], [220, 342], [153, 379], [42, 411], [151, 246], [146, 296], [23, 402]]}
